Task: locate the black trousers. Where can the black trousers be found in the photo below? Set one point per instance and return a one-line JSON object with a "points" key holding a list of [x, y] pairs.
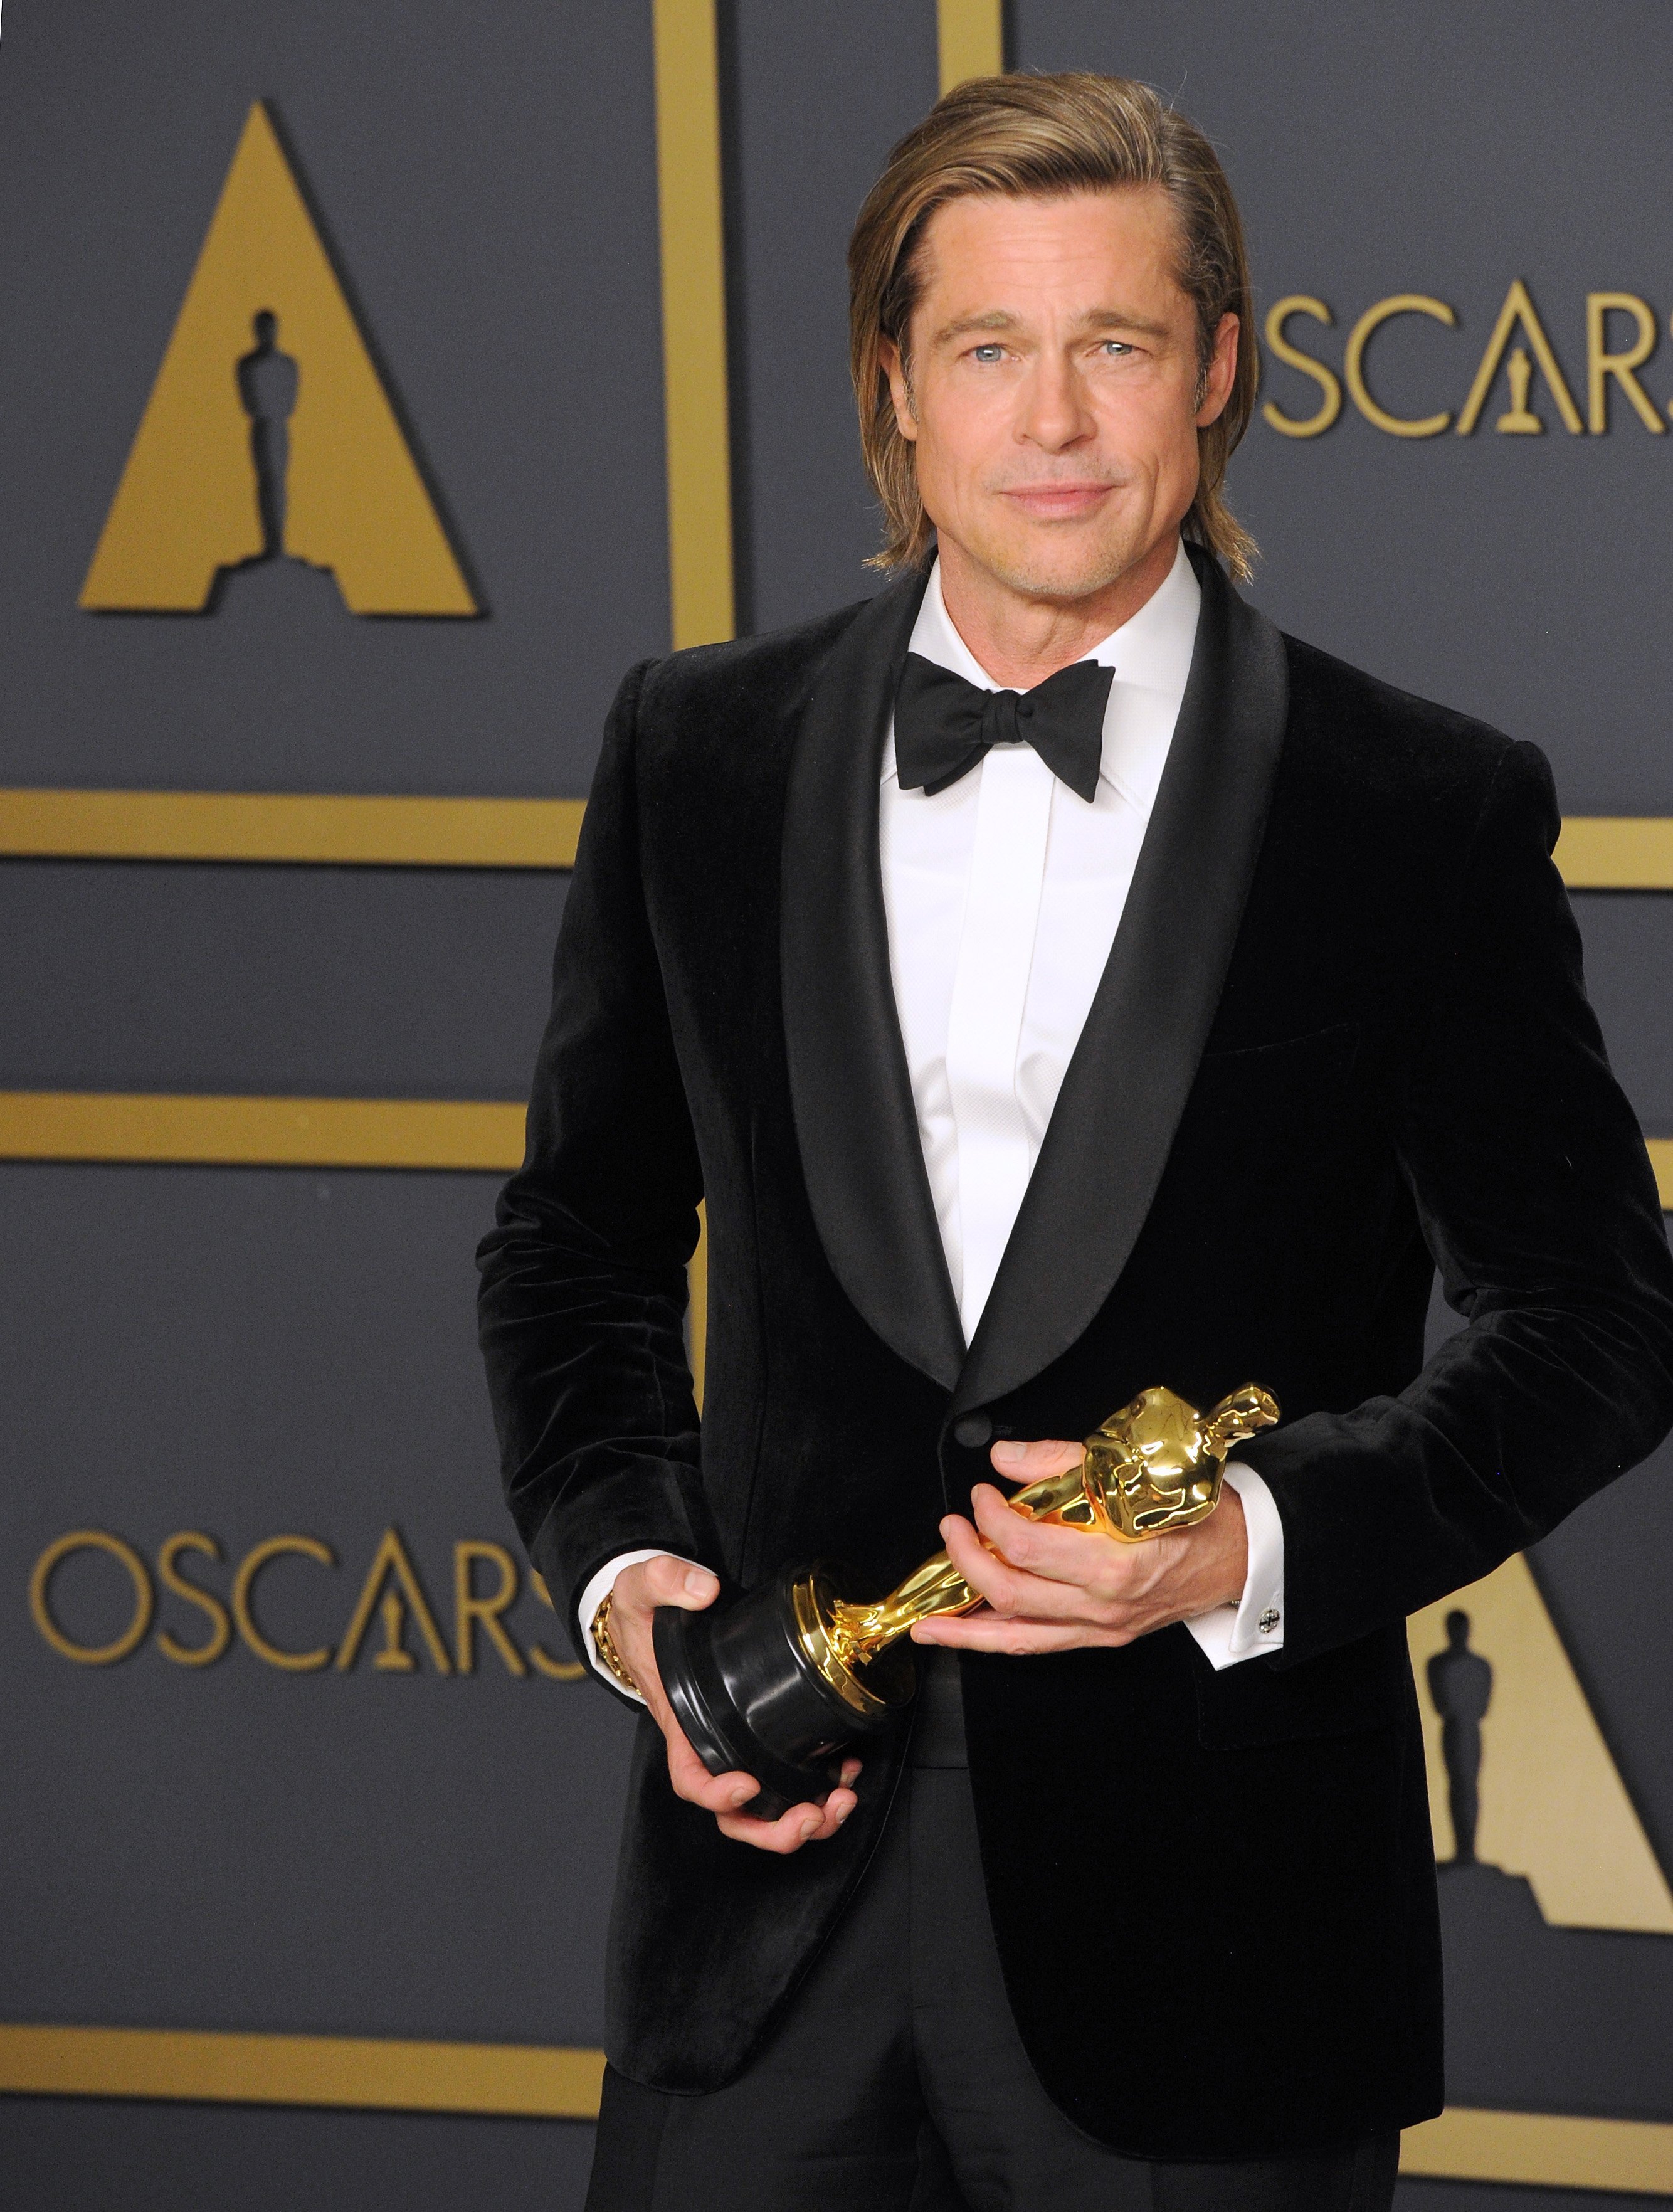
{"points": [[896, 2082]]}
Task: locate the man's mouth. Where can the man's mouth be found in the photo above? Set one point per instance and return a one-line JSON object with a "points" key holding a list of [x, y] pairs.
{"points": [[1053, 502]]}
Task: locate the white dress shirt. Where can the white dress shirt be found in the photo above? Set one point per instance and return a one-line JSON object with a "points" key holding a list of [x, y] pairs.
{"points": [[1003, 893]]}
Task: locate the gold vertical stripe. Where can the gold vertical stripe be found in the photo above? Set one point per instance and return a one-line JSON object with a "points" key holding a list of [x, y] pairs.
{"points": [[299, 828], [154, 1129], [694, 321], [698, 430], [971, 35]]}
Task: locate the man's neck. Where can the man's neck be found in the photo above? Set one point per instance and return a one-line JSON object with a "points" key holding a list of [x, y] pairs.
{"points": [[1020, 640]]}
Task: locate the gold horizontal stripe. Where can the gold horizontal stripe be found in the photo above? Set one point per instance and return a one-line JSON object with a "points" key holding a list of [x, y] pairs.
{"points": [[527, 2081], [313, 1133], [523, 2081], [295, 827], [1544, 2150], [1595, 852], [1617, 852], [366, 1133]]}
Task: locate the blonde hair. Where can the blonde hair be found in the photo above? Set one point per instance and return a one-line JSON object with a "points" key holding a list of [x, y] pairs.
{"points": [[1041, 136]]}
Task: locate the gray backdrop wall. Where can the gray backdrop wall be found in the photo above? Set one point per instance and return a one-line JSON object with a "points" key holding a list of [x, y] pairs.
{"points": [[251, 1351]]}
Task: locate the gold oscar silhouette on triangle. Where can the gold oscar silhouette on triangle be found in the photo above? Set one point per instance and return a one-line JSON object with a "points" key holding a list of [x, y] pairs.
{"points": [[1529, 1787], [268, 432]]}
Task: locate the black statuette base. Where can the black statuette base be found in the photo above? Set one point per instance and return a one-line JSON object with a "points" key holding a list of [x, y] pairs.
{"points": [[750, 1700]]}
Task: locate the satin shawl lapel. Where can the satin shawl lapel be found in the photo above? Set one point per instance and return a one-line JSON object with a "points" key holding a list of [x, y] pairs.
{"points": [[855, 1123], [1108, 1139]]}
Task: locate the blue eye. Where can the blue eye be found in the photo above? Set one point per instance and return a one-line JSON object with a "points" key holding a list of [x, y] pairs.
{"points": [[986, 352]]}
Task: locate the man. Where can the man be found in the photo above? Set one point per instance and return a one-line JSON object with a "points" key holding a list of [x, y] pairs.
{"points": [[1036, 1034]]}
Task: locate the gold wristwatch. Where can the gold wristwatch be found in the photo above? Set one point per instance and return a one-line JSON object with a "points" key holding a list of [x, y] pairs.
{"points": [[606, 1649]]}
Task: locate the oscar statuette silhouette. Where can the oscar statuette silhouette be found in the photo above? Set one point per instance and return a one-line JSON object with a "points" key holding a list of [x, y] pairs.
{"points": [[268, 381], [1461, 1684]]}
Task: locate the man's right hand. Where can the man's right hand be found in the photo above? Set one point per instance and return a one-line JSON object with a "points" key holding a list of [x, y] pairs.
{"points": [[638, 1590]]}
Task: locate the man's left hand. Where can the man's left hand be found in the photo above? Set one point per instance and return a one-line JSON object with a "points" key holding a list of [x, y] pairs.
{"points": [[1052, 1589]]}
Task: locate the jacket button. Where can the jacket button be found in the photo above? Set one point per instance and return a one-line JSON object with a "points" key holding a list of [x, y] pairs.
{"points": [[973, 1431]]}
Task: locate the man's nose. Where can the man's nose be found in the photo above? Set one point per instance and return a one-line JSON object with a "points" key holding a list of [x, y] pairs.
{"points": [[1055, 413]]}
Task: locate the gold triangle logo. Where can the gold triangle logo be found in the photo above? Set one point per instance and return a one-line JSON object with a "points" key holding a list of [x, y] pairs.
{"points": [[268, 431], [1552, 1805]]}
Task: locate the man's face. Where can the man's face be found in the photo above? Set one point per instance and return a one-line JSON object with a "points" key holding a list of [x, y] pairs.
{"points": [[1054, 397]]}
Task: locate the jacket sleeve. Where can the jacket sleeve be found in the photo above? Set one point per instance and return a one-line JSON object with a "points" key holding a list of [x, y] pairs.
{"points": [[583, 1296], [1536, 1199]]}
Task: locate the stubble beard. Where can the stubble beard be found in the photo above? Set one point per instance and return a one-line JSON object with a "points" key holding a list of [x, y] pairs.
{"points": [[1068, 572]]}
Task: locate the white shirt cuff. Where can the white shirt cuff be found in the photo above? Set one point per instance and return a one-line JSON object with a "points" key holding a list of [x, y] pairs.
{"points": [[1256, 1623], [593, 1597]]}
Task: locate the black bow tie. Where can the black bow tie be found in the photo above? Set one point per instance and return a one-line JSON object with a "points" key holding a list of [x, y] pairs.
{"points": [[944, 725]]}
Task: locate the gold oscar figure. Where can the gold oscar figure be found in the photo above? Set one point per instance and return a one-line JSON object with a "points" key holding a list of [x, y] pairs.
{"points": [[777, 1681], [1155, 1466], [1519, 418]]}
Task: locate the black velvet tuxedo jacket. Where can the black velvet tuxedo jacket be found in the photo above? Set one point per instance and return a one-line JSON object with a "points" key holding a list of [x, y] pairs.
{"points": [[1341, 1040]]}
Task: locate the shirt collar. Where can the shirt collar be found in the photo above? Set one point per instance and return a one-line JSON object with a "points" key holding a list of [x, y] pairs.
{"points": [[1150, 652]]}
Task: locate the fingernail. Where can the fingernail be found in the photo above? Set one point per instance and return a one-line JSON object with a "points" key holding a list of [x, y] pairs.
{"points": [[810, 1829], [700, 1583], [742, 1797], [844, 1814], [1003, 1450]]}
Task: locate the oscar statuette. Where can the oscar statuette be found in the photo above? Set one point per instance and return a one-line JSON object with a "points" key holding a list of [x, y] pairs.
{"points": [[778, 1682]]}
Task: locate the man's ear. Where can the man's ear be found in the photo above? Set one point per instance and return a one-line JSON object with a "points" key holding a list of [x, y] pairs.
{"points": [[900, 387], [1221, 373]]}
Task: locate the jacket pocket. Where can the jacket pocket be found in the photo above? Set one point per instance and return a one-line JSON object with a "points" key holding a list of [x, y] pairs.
{"points": [[1336, 1042], [1349, 1691]]}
